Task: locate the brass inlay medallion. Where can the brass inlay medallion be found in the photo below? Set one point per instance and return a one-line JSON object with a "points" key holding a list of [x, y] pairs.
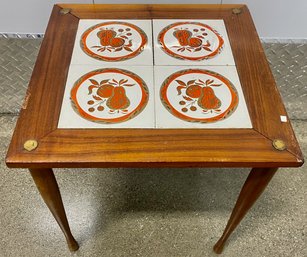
{"points": [[236, 11], [30, 145], [279, 144], [65, 10]]}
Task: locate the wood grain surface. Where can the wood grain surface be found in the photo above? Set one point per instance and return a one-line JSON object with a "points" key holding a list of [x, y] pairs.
{"points": [[152, 147]]}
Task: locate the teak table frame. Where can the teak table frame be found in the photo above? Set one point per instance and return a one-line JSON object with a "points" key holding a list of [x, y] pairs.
{"points": [[39, 145]]}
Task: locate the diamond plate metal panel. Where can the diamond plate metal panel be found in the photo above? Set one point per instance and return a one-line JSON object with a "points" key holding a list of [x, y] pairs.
{"points": [[288, 63], [289, 66], [17, 58], [21, 35]]}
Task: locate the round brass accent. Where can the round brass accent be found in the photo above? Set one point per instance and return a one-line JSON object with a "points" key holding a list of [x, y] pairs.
{"points": [[30, 145], [236, 11], [65, 10], [279, 144]]}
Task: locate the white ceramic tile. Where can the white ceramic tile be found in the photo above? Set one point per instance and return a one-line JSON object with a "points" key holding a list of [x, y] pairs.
{"points": [[113, 42], [191, 42], [108, 97], [202, 97]]}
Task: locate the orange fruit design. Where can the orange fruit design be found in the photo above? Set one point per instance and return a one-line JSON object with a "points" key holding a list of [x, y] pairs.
{"points": [[198, 38], [109, 95], [119, 99], [195, 42], [106, 36], [183, 36], [208, 100], [118, 41], [105, 91], [194, 91], [198, 96]]}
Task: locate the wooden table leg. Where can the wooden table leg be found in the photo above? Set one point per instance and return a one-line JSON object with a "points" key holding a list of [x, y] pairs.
{"points": [[255, 184], [49, 190]]}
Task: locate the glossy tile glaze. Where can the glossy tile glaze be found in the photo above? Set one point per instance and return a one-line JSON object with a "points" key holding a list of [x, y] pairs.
{"points": [[191, 42], [206, 97], [98, 97], [199, 95], [109, 95], [101, 42], [114, 83]]}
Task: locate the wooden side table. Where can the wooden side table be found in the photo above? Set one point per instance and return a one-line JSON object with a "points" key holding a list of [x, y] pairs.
{"points": [[39, 145]]}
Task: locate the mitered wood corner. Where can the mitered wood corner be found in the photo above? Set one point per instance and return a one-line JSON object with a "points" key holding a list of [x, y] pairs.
{"points": [[154, 148]]}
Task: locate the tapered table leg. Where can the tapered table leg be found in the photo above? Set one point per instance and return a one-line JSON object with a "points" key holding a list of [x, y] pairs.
{"points": [[49, 190], [255, 184]]}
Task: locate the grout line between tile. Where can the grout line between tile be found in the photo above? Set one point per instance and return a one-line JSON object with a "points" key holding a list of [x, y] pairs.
{"points": [[153, 43], [153, 71], [154, 95]]}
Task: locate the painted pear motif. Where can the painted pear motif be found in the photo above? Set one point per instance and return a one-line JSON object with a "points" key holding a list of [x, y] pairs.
{"points": [[185, 38], [119, 100], [182, 36], [108, 38], [208, 100]]}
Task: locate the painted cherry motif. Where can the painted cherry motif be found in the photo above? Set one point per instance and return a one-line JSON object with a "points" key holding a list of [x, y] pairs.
{"points": [[110, 93], [200, 93]]}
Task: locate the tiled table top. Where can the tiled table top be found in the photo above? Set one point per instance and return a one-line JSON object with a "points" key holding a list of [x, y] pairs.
{"points": [[153, 74], [115, 79]]}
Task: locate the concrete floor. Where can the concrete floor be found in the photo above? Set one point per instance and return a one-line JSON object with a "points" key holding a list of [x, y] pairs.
{"points": [[152, 213], [147, 213]]}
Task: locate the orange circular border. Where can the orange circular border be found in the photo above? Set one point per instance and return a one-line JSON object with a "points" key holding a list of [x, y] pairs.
{"points": [[133, 113], [182, 57], [232, 107], [113, 59]]}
